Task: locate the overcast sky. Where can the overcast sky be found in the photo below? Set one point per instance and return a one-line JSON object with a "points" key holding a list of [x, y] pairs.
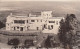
{"points": [[39, 0]]}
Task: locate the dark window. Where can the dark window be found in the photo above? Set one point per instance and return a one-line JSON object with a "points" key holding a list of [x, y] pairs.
{"points": [[49, 27], [17, 27], [27, 21], [52, 26], [51, 21], [44, 26], [37, 28], [19, 21], [37, 20], [28, 27], [41, 20], [8, 24], [14, 28], [32, 20], [21, 28], [47, 14]]}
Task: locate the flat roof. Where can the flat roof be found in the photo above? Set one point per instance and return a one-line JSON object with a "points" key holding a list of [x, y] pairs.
{"points": [[56, 17]]}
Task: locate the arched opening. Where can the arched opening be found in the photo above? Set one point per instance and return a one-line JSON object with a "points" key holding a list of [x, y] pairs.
{"points": [[14, 41]]}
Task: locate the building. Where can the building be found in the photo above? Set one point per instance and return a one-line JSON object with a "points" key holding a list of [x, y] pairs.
{"points": [[41, 21]]}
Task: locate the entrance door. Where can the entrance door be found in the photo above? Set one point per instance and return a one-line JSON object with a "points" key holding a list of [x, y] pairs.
{"points": [[21, 28]]}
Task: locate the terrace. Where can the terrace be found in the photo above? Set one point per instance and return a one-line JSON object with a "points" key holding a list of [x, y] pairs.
{"points": [[19, 33]]}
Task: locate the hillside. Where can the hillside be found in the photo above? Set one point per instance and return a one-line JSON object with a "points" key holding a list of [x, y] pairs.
{"points": [[58, 8]]}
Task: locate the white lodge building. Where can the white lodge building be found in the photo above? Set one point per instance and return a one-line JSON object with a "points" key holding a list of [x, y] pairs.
{"points": [[43, 21]]}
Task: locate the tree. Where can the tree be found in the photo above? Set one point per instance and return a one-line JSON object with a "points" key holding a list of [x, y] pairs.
{"points": [[14, 42], [28, 43], [67, 30], [62, 32], [47, 42], [1, 25]]}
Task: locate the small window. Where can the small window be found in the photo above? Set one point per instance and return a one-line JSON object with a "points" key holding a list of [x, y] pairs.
{"points": [[51, 21], [17, 27], [28, 27], [57, 22], [37, 28], [8, 24], [32, 20], [52, 26], [49, 27], [41, 20], [37, 20], [14, 28], [47, 14], [27, 21], [44, 26]]}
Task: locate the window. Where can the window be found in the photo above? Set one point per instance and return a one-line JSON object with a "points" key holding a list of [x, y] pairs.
{"points": [[17, 27], [57, 22], [49, 27], [37, 28], [19, 21], [52, 26], [47, 14], [37, 20], [51, 21], [32, 20], [8, 24], [14, 28], [27, 21], [28, 27], [45, 26], [41, 20]]}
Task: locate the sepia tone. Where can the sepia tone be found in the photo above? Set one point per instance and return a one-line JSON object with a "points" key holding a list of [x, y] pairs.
{"points": [[38, 24]]}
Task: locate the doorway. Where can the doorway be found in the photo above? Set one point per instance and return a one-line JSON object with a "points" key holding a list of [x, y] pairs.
{"points": [[21, 28]]}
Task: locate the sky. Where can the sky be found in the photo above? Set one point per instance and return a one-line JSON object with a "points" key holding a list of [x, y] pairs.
{"points": [[39, 0]]}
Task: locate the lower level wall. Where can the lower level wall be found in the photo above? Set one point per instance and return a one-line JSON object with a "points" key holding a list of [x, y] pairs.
{"points": [[5, 38], [39, 38]]}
